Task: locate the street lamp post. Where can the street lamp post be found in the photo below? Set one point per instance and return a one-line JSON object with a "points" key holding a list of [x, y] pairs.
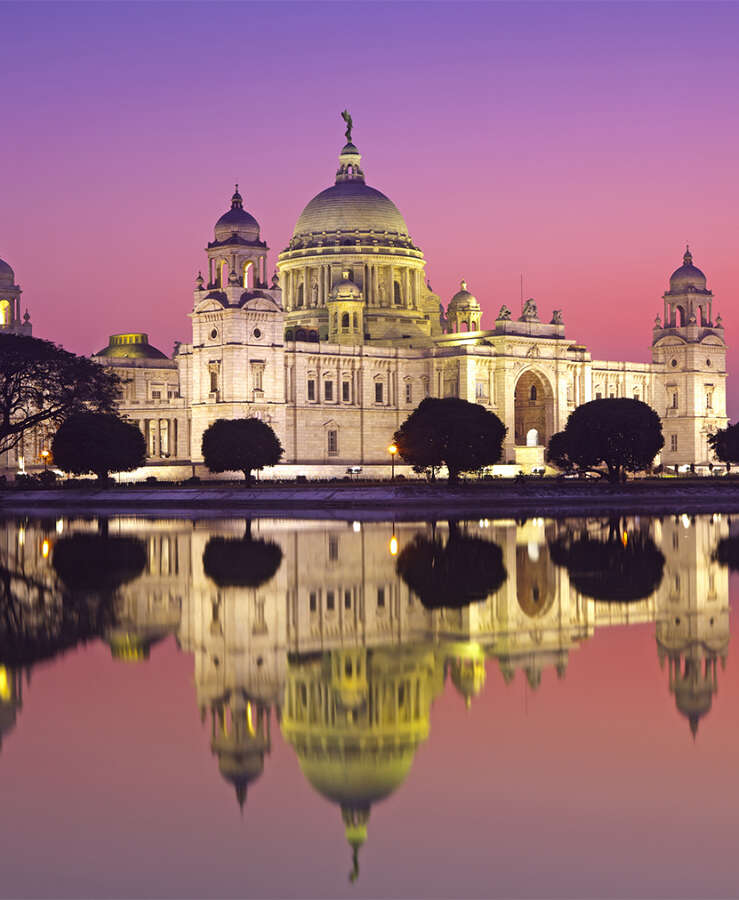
{"points": [[392, 450], [45, 454]]}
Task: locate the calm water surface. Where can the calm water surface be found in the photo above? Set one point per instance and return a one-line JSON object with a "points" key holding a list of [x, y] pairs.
{"points": [[297, 708]]}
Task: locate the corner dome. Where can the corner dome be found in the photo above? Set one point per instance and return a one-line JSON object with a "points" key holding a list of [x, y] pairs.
{"points": [[7, 275], [687, 276], [132, 345], [463, 298], [237, 221]]}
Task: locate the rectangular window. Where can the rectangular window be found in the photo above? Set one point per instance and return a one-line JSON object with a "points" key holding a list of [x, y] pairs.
{"points": [[313, 601], [333, 442], [598, 395], [213, 381], [330, 601], [709, 400], [381, 597], [156, 395], [311, 389], [408, 392], [347, 599], [673, 442], [346, 391], [612, 395], [172, 395], [480, 393], [378, 391], [674, 400], [636, 395], [328, 391], [333, 547]]}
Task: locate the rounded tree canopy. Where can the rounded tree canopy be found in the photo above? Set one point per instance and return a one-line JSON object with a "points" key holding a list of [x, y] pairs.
{"points": [[99, 443], [449, 431], [621, 433], [465, 570], [240, 445]]}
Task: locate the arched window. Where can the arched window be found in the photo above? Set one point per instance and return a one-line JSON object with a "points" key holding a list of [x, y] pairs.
{"points": [[289, 335], [213, 380], [345, 320], [300, 335], [396, 293], [249, 275], [4, 312], [532, 437], [356, 322], [532, 395]]}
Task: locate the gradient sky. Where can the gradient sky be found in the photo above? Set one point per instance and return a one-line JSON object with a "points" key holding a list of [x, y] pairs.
{"points": [[578, 144]]}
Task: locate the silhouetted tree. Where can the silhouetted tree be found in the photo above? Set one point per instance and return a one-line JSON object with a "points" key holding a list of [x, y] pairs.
{"points": [[447, 431], [558, 452], [41, 384], [622, 567], [623, 434], [241, 562], [463, 570], [100, 443], [240, 445], [725, 444]]}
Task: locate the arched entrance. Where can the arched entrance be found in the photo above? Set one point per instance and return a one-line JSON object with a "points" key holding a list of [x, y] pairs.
{"points": [[534, 410]]}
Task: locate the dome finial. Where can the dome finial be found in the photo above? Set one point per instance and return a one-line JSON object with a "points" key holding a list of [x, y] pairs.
{"points": [[237, 201], [463, 284], [688, 256]]}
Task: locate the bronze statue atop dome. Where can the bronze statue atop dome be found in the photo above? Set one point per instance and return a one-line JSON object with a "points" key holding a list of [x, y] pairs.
{"points": [[346, 116]]}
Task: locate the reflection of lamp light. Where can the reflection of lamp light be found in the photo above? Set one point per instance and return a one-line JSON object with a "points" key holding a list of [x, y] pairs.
{"points": [[4, 685], [392, 450], [59, 526], [625, 538], [21, 536], [45, 549], [356, 526], [250, 720], [393, 546]]}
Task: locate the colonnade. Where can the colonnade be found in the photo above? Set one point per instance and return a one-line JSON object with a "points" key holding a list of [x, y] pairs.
{"points": [[310, 286], [162, 437]]}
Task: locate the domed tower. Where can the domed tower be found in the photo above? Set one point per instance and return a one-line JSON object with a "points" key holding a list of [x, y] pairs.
{"points": [[237, 257], [10, 303], [352, 227], [467, 669], [240, 738], [692, 628], [346, 312], [355, 719], [463, 312], [688, 347]]}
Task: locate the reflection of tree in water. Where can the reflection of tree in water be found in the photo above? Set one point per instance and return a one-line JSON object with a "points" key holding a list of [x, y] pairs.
{"points": [[464, 570], [97, 563], [727, 552], [241, 562], [623, 567]]}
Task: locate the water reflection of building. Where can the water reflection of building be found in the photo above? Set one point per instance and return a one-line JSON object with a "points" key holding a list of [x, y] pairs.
{"points": [[355, 718], [11, 700], [338, 645]]}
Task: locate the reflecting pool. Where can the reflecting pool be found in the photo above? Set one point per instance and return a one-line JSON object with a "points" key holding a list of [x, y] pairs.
{"points": [[302, 708]]}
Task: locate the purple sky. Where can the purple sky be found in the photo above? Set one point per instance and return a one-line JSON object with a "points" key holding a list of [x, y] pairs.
{"points": [[578, 144]]}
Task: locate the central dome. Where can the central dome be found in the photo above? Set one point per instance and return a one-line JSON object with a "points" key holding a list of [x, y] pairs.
{"points": [[351, 206]]}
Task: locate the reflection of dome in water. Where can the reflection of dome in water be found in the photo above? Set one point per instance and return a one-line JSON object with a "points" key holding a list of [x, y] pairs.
{"points": [[467, 670], [133, 646], [240, 738], [11, 700], [355, 719]]}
